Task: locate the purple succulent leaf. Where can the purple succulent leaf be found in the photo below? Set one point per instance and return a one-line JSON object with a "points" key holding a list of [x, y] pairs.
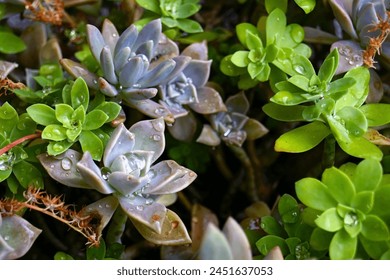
{"points": [[234, 137], [173, 231], [149, 136], [254, 129], [78, 70], [16, 237], [166, 48], [181, 63], [176, 109], [106, 88], [133, 70], [151, 216], [350, 55], [146, 49], [209, 136], [102, 211], [127, 39], [237, 103], [63, 168], [121, 58], [168, 177], [107, 65], [366, 33], [152, 109], [150, 31], [197, 51], [110, 35], [124, 183], [315, 35], [343, 15], [209, 101], [121, 142], [6, 67], [139, 161], [158, 74], [92, 174], [367, 16], [95, 40], [237, 239], [184, 128], [138, 94], [198, 71]]}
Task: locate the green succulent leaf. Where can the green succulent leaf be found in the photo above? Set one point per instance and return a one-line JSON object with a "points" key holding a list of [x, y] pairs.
{"points": [[42, 114], [382, 201], [368, 175], [189, 25], [339, 185], [363, 201], [62, 256], [271, 5], [90, 142], [357, 93], [288, 209], [267, 243], [97, 253], [95, 119], [187, 9], [375, 229], [306, 5], [240, 58], [229, 68], [360, 147], [284, 113], [342, 246], [376, 114], [54, 132], [303, 138], [272, 227], [315, 194], [111, 109], [79, 94], [320, 239], [275, 26], [28, 175], [64, 114], [10, 43], [56, 148], [151, 5], [354, 120], [243, 29], [330, 220], [329, 66], [253, 41], [375, 249]]}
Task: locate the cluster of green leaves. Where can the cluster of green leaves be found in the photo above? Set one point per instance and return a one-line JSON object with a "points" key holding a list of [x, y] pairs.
{"points": [[174, 15], [288, 231], [77, 119], [48, 84], [306, 5], [271, 50], [18, 164], [349, 210], [332, 106]]}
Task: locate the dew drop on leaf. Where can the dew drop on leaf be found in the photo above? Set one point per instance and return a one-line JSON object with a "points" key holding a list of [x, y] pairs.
{"points": [[66, 163]]}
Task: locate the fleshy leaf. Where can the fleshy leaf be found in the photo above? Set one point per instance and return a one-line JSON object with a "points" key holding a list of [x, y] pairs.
{"points": [[368, 175], [315, 194], [330, 220], [376, 114], [42, 114], [339, 185], [342, 246], [375, 229], [215, 245], [303, 138]]}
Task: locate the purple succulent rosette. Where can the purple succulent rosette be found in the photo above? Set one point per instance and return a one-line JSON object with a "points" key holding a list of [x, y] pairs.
{"points": [[142, 188], [130, 65]]}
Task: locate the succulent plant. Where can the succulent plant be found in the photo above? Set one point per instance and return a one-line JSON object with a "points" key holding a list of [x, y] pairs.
{"points": [[132, 64], [16, 237], [233, 126], [189, 88], [141, 188]]}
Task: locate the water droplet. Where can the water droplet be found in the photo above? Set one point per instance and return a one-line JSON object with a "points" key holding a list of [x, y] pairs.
{"points": [[299, 69], [66, 163], [100, 206], [262, 225], [160, 111], [52, 166], [95, 82], [139, 207], [294, 214], [114, 35], [149, 201], [156, 137], [6, 238], [158, 125], [105, 171], [58, 147], [107, 206]]}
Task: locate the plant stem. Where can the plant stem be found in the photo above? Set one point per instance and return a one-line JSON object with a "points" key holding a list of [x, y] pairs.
{"points": [[220, 160], [19, 141], [241, 154]]}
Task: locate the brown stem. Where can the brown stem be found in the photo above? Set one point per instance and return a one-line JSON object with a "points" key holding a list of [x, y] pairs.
{"points": [[19, 141]]}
